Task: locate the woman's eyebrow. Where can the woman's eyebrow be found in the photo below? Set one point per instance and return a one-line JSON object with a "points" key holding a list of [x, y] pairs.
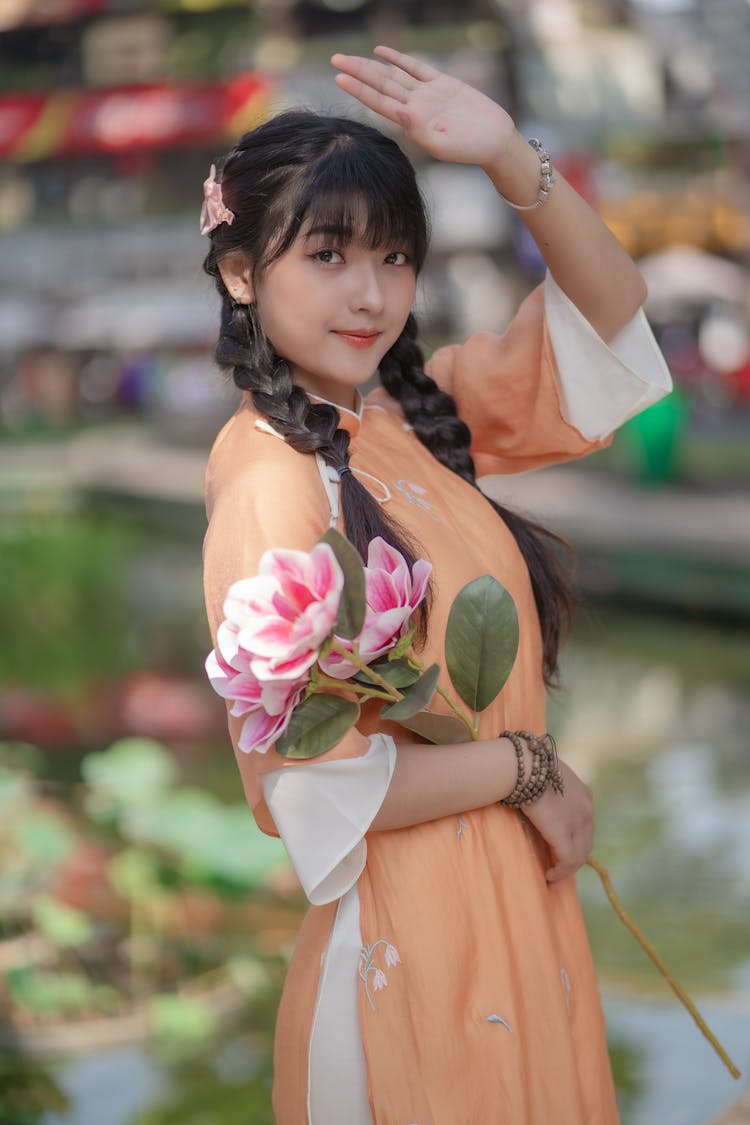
{"points": [[329, 231]]}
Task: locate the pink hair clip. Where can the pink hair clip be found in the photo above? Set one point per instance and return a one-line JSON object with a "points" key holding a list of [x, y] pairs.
{"points": [[213, 211]]}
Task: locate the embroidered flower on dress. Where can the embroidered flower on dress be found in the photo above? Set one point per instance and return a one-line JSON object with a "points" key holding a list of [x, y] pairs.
{"points": [[391, 955], [366, 967], [213, 211]]}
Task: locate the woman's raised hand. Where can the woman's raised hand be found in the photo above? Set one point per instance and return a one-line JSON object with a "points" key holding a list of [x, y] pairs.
{"points": [[447, 118]]}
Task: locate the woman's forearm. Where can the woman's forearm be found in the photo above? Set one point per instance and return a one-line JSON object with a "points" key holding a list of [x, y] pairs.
{"points": [[584, 257], [434, 781]]}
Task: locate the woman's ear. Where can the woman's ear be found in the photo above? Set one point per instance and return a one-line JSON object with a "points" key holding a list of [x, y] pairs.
{"points": [[237, 274]]}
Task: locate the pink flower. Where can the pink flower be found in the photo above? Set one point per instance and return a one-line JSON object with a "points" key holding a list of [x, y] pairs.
{"points": [[392, 596], [283, 614], [268, 704], [213, 210]]}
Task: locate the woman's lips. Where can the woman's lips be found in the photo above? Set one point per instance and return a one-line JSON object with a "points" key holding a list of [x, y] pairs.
{"points": [[363, 338]]}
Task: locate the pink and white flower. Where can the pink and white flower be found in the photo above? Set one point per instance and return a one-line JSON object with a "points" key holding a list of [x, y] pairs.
{"points": [[392, 595], [268, 704], [284, 613]]}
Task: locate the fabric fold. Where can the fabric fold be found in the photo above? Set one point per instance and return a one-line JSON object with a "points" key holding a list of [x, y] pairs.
{"points": [[322, 811], [602, 384]]}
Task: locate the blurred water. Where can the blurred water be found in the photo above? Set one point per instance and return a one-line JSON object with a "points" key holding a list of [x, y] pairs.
{"points": [[654, 714]]}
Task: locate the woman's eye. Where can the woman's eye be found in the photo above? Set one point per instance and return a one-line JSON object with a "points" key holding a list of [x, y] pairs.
{"points": [[327, 256], [397, 258]]}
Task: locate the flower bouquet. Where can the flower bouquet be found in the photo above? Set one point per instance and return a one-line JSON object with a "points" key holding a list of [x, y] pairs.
{"points": [[315, 634]]}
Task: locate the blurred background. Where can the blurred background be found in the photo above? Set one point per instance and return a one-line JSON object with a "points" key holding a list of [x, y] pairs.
{"points": [[145, 925]]}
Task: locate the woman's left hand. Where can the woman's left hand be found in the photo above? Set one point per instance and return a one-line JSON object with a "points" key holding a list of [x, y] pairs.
{"points": [[447, 118]]}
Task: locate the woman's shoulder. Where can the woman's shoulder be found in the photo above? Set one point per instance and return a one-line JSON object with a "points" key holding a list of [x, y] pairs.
{"points": [[248, 455]]}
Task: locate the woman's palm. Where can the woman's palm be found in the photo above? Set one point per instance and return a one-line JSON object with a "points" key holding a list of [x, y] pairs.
{"points": [[447, 118]]}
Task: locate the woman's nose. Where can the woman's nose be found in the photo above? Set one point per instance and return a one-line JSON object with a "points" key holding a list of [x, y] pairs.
{"points": [[367, 290]]}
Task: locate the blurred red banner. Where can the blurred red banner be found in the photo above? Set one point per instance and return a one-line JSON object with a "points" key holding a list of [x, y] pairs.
{"points": [[17, 13], [35, 126]]}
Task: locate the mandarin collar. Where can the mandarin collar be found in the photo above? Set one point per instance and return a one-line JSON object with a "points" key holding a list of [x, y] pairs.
{"points": [[350, 420]]}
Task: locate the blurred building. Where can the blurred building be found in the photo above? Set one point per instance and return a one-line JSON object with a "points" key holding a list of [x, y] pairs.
{"points": [[111, 112]]}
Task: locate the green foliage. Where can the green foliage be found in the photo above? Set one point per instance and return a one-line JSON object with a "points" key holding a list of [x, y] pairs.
{"points": [[181, 1019], [134, 873], [442, 729], [402, 646], [61, 600], [44, 992], [211, 843], [45, 838], [27, 1091], [61, 924], [397, 673], [481, 641], [415, 698], [34, 842], [351, 613], [318, 723], [131, 772]]}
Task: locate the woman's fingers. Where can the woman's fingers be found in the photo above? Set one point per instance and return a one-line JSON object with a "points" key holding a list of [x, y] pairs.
{"points": [[416, 68], [377, 76], [381, 103]]}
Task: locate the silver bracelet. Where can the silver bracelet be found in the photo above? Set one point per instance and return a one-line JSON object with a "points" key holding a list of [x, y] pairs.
{"points": [[546, 179]]}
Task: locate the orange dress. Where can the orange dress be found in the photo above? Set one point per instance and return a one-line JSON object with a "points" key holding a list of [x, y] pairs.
{"points": [[477, 1000]]}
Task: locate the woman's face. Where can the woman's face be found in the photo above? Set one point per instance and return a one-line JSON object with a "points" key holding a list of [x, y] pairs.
{"points": [[333, 311]]}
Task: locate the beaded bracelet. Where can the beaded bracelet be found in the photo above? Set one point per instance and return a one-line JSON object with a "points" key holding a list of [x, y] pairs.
{"points": [[545, 768], [546, 179]]}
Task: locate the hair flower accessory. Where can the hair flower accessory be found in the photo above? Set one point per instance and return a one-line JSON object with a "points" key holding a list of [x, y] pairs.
{"points": [[213, 211]]}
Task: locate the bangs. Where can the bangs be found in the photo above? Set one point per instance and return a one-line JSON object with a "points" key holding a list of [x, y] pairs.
{"points": [[346, 195]]}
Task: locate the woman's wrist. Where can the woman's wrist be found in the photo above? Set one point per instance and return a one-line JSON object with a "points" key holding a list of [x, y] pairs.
{"points": [[543, 773], [515, 171]]}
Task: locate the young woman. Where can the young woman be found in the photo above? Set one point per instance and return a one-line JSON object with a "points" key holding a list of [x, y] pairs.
{"points": [[442, 975]]}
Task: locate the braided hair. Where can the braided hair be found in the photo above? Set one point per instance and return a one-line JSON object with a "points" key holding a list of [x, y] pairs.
{"points": [[348, 178]]}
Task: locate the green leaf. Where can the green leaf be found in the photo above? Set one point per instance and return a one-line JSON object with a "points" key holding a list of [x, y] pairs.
{"points": [[130, 772], [44, 838], [209, 840], [398, 674], [62, 924], [134, 873], [181, 1018], [403, 645], [351, 614], [481, 641], [318, 723], [416, 698], [437, 728], [50, 993]]}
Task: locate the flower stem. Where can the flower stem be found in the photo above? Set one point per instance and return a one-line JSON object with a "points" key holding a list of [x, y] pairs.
{"points": [[416, 663], [652, 953], [349, 685], [354, 658]]}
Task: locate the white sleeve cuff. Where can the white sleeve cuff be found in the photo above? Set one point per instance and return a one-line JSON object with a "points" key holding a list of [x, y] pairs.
{"points": [[602, 385], [322, 812]]}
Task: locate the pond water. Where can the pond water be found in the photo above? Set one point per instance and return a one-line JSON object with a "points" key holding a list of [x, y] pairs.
{"points": [[654, 713]]}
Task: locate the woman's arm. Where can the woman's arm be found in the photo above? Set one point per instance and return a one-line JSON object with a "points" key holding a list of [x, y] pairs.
{"points": [[435, 781], [454, 122]]}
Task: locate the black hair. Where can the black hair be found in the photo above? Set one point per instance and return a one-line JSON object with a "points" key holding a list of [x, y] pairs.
{"points": [[350, 179]]}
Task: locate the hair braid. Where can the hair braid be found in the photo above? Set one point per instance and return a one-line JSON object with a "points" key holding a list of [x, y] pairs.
{"points": [[307, 427], [432, 412]]}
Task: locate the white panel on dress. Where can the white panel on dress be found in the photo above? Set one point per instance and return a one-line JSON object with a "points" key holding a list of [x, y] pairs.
{"points": [[602, 385], [322, 811]]}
